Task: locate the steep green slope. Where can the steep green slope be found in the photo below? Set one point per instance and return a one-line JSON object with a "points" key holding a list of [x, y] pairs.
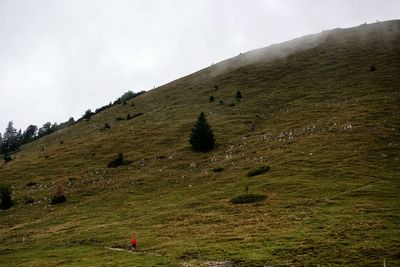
{"points": [[312, 110]]}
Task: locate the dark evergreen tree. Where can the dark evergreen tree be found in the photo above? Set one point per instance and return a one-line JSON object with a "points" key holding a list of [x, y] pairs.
{"points": [[202, 137], [29, 134], [126, 96], [238, 95], [68, 123], [54, 127], [10, 139], [6, 201], [71, 121], [19, 138], [87, 115], [211, 99], [45, 129]]}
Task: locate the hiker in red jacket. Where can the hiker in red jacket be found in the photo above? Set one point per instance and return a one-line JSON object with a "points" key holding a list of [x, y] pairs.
{"points": [[133, 242]]}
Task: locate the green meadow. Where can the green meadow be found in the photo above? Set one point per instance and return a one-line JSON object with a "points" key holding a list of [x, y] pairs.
{"points": [[312, 109]]}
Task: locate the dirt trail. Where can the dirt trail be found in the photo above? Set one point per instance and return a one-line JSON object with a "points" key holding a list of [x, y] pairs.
{"points": [[136, 252], [210, 264], [185, 264]]}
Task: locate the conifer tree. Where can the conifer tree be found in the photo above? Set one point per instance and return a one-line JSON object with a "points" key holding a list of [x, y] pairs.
{"points": [[19, 138], [10, 139], [45, 129], [87, 115], [29, 134], [238, 95], [54, 127], [6, 201], [202, 137], [70, 121]]}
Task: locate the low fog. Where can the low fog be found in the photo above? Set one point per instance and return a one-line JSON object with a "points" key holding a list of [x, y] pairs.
{"points": [[60, 58]]}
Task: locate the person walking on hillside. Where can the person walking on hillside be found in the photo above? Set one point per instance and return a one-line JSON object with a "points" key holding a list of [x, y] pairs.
{"points": [[133, 243]]}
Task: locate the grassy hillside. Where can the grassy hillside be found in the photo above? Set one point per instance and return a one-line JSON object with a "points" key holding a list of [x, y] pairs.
{"points": [[312, 109]]}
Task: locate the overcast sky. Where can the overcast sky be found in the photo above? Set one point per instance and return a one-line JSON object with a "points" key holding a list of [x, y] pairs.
{"points": [[60, 57]]}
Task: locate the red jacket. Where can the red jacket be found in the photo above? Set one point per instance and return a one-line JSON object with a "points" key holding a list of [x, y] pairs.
{"points": [[133, 242]]}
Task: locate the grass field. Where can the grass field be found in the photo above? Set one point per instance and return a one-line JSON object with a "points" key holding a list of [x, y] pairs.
{"points": [[312, 110]]}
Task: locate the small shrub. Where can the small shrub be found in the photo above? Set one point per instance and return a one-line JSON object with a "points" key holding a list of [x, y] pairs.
{"points": [[106, 126], [221, 102], [58, 197], [216, 87], [61, 142], [29, 184], [211, 99], [232, 105], [6, 201], [118, 161], [238, 95], [248, 198], [372, 68], [258, 171], [119, 119], [219, 169]]}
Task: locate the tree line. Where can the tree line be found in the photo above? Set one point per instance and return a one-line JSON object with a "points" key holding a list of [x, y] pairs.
{"points": [[12, 138]]}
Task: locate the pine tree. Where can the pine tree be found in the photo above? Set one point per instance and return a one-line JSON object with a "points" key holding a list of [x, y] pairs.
{"points": [[45, 129], [10, 139], [202, 137], [70, 121], [238, 95], [6, 201], [29, 134], [19, 137], [87, 115], [54, 127]]}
